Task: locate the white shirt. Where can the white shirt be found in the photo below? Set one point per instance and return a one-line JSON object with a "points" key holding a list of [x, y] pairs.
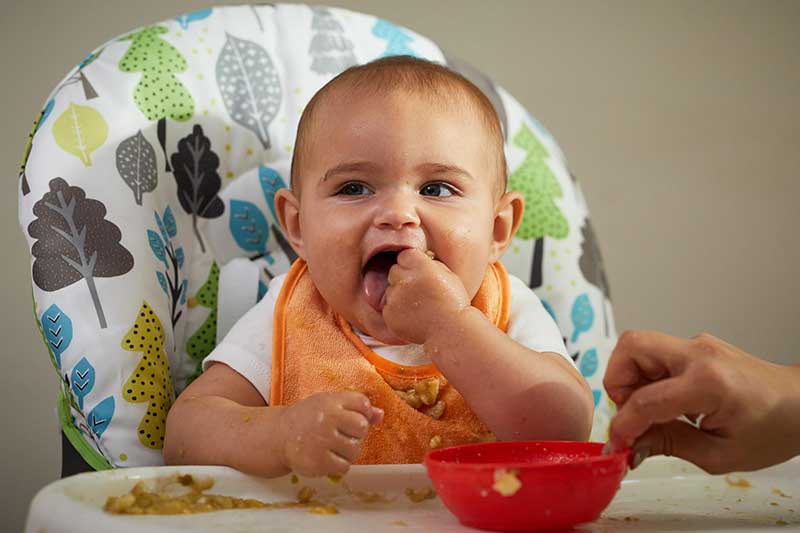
{"points": [[247, 348]]}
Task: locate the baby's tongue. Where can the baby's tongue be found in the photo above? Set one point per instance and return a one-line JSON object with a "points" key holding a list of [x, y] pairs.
{"points": [[376, 278]]}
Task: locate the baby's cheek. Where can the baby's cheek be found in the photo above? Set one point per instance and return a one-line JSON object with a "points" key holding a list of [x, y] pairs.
{"points": [[465, 251]]}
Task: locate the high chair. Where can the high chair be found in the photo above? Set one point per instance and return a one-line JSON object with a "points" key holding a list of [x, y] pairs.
{"points": [[146, 196]]}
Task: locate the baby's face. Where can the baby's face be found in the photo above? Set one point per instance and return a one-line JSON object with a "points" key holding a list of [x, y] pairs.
{"points": [[385, 173]]}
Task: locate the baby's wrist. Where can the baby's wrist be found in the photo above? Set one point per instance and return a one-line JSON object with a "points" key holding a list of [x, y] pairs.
{"points": [[449, 331], [283, 436]]}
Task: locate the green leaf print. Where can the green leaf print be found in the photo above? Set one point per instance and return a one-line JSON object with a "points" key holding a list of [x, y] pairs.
{"points": [[80, 130]]}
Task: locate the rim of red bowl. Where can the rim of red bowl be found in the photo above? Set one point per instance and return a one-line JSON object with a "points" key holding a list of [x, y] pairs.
{"points": [[431, 456]]}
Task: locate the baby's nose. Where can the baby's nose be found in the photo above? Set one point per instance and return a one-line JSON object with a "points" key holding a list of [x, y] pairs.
{"points": [[396, 212]]}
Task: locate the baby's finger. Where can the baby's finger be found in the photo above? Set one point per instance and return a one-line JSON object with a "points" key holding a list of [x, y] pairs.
{"points": [[396, 274], [641, 357], [352, 424], [346, 447], [356, 401], [658, 403], [334, 464], [412, 258]]}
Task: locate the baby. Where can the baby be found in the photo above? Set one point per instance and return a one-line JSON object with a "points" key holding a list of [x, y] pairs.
{"points": [[397, 330]]}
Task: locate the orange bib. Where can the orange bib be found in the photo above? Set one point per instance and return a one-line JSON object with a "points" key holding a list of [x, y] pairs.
{"points": [[315, 350]]}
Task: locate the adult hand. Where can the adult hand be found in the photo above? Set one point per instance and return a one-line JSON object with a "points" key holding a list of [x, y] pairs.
{"points": [[746, 410]]}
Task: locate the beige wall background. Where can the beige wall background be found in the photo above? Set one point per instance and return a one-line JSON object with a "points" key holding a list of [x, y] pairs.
{"points": [[680, 119]]}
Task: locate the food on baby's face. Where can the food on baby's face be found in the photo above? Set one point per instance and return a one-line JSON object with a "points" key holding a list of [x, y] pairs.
{"points": [[436, 441], [506, 482]]}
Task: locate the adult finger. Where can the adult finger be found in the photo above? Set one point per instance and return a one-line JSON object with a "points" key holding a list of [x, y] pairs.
{"points": [[641, 357], [679, 439], [657, 403]]}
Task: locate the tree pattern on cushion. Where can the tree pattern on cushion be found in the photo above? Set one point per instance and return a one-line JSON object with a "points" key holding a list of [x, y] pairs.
{"points": [[151, 380]]}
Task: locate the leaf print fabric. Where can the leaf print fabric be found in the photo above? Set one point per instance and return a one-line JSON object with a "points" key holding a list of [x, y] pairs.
{"points": [[249, 85]]}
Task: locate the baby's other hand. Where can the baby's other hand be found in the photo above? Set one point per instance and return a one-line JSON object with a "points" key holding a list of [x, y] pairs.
{"points": [[422, 294], [322, 434]]}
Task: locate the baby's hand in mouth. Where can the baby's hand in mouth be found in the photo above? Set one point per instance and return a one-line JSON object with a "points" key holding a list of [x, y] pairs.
{"points": [[422, 295]]}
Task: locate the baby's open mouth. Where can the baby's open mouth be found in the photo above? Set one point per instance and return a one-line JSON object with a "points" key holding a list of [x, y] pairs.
{"points": [[376, 277]]}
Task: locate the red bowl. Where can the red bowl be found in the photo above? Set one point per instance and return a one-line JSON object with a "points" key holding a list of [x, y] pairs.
{"points": [[561, 483]]}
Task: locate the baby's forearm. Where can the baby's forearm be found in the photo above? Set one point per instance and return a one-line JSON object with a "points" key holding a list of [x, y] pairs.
{"points": [[212, 430], [520, 394]]}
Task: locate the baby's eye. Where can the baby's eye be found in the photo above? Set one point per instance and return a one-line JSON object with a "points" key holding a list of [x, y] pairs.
{"points": [[353, 188], [441, 190]]}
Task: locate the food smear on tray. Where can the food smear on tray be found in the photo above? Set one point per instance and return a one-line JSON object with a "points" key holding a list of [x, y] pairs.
{"points": [[186, 494], [164, 500]]}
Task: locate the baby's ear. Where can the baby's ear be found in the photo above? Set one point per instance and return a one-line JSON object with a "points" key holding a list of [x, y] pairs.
{"points": [[507, 218], [287, 206]]}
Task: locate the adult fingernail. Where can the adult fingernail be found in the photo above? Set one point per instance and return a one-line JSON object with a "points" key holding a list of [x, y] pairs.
{"points": [[639, 455]]}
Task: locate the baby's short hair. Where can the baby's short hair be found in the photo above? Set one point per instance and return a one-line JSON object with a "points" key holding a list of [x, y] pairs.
{"points": [[417, 76]]}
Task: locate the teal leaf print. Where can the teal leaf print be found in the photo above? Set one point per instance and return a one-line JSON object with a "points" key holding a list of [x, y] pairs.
{"points": [[57, 328], [248, 226], [157, 245], [100, 417], [82, 380], [271, 182], [163, 282], [179, 255], [161, 227], [397, 40], [194, 16], [596, 394], [588, 364], [582, 316], [169, 222]]}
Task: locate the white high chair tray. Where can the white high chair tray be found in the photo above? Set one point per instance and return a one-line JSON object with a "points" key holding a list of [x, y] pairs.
{"points": [[664, 494]]}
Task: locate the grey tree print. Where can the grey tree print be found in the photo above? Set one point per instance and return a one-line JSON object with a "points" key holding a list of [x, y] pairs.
{"points": [[249, 84], [74, 241], [195, 169]]}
